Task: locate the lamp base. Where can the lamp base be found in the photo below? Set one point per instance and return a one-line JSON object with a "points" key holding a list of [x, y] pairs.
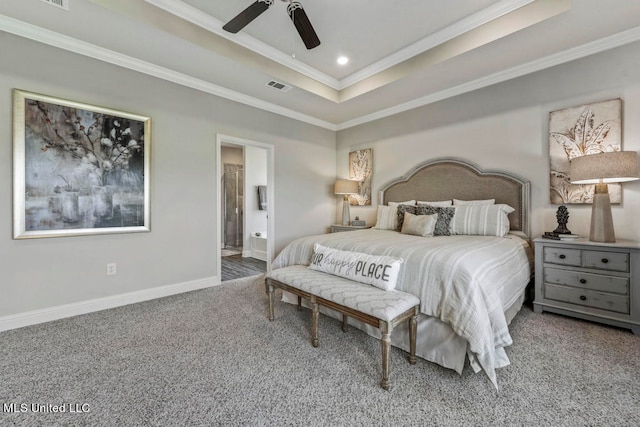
{"points": [[346, 215], [601, 219]]}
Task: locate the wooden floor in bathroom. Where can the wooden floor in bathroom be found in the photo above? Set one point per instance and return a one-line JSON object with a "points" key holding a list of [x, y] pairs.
{"points": [[237, 266]]}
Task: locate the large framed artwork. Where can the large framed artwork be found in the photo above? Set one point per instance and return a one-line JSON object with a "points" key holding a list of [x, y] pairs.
{"points": [[78, 169], [580, 131], [360, 169]]}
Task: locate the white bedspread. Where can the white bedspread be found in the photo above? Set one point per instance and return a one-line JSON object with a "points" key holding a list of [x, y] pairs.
{"points": [[465, 281]]}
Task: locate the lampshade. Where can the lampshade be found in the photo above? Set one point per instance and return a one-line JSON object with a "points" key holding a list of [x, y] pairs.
{"points": [[601, 169], [346, 186], [605, 168]]}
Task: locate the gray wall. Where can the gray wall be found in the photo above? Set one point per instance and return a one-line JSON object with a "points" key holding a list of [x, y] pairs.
{"points": [[181, 247], [505, 127]]}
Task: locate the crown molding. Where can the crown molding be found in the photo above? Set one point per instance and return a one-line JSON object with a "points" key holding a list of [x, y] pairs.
{"points": [[620, 39], [61, 41], [448, 33], [51, 38], [209, 23]]}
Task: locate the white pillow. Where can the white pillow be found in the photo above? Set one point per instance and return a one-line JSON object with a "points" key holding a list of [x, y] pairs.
{"points": [[380, 271], [439, 204], [481, 220], [458, 202], [387, 218], [419, 225], [408, 202]]}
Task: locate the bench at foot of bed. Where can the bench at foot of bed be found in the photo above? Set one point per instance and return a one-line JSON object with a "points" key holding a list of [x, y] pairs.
{"points": [[379, 308]]}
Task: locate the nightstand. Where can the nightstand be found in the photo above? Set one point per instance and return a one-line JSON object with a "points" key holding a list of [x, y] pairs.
{"points": [[335, 228], [589, 280]]}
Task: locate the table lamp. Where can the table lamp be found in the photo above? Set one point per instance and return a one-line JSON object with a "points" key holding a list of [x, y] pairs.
{"points": [[346, 187], [602, 169]]}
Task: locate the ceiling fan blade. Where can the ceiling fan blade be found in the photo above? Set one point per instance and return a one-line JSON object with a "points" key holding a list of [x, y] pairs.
{"points": [[303, 25], [246, 16]]}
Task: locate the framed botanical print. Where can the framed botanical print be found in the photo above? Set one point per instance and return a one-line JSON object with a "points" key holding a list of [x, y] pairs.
{"points": [[581, 131], [361, 169], [78, 169]]}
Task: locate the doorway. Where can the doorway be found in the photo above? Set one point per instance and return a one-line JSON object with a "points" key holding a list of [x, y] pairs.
{"points": [[245, 225]]}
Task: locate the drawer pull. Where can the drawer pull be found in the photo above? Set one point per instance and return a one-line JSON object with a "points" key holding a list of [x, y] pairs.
{"points": [[562, 256], [583, 281], [605, 260], [583, 298]]}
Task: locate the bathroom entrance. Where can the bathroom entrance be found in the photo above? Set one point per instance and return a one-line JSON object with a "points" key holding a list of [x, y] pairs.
{"points": [[246, 211]]}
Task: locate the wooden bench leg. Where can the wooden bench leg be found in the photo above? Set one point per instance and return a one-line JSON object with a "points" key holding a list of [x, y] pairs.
{"points": [[386, 355], [315, 314], [344, 323], [413, 328], [270, 293], [299, 303]]}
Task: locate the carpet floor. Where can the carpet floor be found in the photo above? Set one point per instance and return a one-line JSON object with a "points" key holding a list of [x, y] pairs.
{"points": [[211, 357]]}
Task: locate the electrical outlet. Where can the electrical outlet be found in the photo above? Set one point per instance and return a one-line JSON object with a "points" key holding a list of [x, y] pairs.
{"points": [[111, 269]]}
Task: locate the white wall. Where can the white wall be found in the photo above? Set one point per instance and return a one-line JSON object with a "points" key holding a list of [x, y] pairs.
{"points": [[505, 127], [39, 274], [255, 174]]}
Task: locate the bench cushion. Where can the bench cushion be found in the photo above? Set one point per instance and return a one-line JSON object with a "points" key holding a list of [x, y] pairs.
{"points": [[384, 305]]}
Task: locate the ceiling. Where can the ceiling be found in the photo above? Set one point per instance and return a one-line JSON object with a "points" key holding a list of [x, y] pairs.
{"points": [[402, 54]]}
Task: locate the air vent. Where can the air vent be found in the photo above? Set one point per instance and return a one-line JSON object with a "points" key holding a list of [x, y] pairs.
{"points": [[279, 85], [62, 4]]}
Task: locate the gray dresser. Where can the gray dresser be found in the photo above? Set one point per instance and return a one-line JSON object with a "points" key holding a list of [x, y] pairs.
{"points": [[588, 280]]}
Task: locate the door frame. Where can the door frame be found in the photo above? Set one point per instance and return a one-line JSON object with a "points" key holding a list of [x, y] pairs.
{"points": [[220, 139]]}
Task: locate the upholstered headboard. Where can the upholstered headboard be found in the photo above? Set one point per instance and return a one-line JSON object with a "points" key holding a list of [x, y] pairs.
{"points": [[449, 178]]}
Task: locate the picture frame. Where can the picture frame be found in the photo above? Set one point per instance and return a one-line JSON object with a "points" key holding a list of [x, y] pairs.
{"points": [[361, 170], [580, 131], [78, 169]]}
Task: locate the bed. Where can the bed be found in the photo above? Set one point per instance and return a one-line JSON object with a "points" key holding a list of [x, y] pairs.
{"points": [[471, 286]]}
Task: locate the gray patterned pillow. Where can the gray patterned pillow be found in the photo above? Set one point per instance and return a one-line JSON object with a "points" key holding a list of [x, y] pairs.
{"points": [[400, 210], [445, 215]]}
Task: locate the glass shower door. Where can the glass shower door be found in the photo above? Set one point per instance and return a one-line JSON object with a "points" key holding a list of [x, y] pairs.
{"points": [[233, 205]]}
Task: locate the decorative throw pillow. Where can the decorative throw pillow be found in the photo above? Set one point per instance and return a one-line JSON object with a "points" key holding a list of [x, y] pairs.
{"points": [[419, 225], [457, 202], [400, 211], [380, 271], [441, 204], [482, 220], [444, 218], [386, 219]]}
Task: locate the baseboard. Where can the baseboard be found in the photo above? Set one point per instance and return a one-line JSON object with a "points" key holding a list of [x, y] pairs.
{"points": [[258, 254], [28, 318]]}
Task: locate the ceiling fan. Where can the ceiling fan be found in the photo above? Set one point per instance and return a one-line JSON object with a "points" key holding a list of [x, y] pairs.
{"points": [[295, 11]]}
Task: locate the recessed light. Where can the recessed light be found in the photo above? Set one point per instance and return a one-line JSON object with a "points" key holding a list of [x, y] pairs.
{"points": [[343, 60]]}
